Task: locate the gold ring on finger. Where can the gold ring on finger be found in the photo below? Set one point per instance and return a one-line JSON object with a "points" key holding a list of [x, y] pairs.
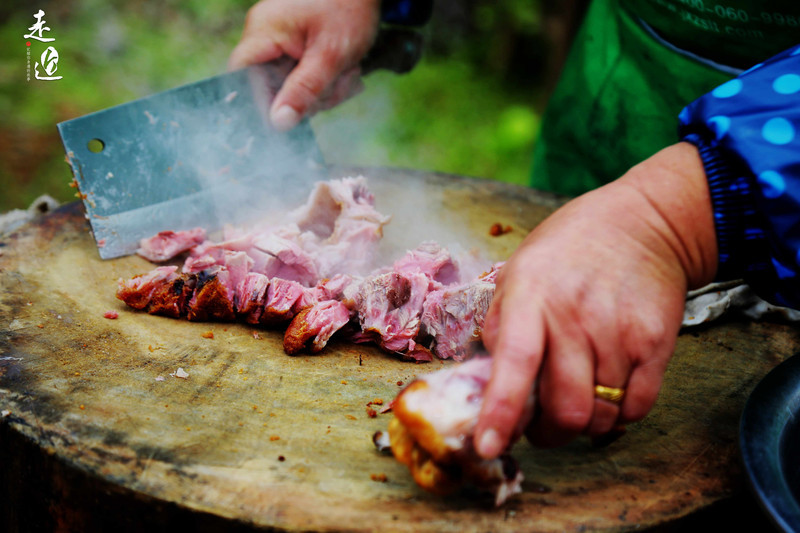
{"points": [[609, 394]]}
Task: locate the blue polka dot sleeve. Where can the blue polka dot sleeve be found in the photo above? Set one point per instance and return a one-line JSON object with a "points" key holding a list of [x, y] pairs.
{"points": [[748, 133]]}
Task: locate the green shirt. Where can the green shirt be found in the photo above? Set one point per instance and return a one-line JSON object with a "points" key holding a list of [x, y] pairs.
{"points": [[632, 68]]}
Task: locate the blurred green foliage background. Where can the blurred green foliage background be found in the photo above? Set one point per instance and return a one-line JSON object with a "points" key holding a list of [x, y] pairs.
{"points": [[470, 107]]}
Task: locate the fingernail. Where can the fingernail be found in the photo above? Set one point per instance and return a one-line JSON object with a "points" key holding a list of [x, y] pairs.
{"points": [[284, 118], [489, 445]]}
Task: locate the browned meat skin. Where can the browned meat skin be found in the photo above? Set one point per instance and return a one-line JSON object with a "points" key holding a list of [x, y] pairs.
{"points": [[170, 299], [138, 291], [211, 301], [313, 327], [433, 428], [418, 354], [298, 334]]}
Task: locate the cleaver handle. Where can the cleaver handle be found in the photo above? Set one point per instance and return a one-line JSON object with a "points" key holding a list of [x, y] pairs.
{"points": [[395, 49]]}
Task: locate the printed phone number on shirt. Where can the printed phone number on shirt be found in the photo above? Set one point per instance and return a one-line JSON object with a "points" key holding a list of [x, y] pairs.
{"points": [[742, 15]]}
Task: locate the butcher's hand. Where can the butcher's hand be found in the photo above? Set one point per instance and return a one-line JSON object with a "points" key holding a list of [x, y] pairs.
{"points": [[327, 37], [595, 295]]}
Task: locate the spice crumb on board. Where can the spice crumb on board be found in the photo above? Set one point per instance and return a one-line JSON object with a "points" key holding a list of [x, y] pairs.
{"points": [[350, 417], [207, 335], [379, 477], [371, 412], [274, 437], [111, 315]]}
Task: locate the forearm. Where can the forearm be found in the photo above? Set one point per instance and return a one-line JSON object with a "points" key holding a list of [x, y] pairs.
{"points": [[673, 183]]}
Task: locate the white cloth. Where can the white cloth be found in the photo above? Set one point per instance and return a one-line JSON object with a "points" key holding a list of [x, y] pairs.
{"points": [[731, 298]]}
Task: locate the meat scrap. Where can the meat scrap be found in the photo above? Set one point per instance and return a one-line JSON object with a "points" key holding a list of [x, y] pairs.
{"points": [[314, 275], [433, 428], [167, 244]]}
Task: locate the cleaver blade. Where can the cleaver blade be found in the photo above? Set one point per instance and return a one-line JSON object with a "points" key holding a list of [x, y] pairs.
{"points": [[203, 154]]}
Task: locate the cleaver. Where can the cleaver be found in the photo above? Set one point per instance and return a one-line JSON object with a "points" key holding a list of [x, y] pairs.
{"points": [[203, 154]]}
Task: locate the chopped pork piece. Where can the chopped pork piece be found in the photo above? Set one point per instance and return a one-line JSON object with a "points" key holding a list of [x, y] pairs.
{"points": [[285, 298], [161, 291], [340, 287], [389, 307], [167, 244], [138, 291], [213, 297], [341, 217], [454, 316], [433, 429], [287, 259], [251, 296], [432, 260], [313, 327], [390, 304], [171, 299]]}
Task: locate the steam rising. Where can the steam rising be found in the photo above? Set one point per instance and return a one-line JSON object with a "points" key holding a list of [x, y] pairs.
{"points": [[348, 136]]}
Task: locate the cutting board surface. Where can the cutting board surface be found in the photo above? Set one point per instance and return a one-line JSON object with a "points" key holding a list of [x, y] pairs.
{"points": [[261, 438]]}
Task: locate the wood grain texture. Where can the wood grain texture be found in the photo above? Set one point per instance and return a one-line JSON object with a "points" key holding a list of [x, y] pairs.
{"points": [[254, 439]]}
